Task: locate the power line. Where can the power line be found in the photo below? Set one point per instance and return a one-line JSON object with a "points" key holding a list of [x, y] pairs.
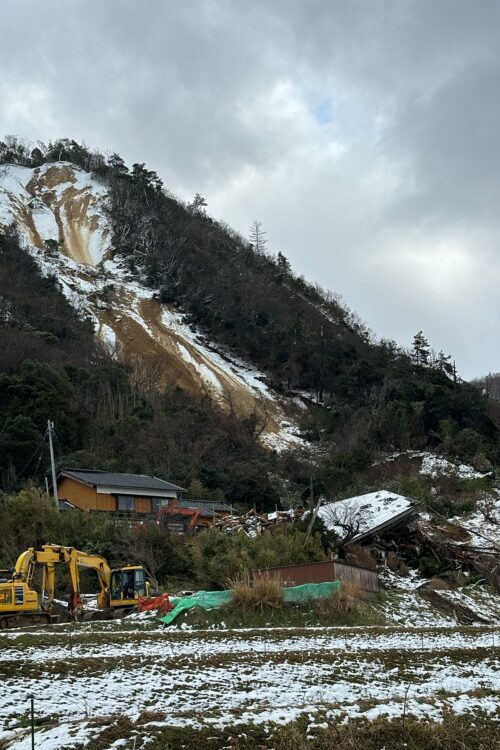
{"points": [[19, 474]]}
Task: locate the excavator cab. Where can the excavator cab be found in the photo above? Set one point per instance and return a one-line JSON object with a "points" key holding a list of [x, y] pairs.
{"points": [[127, 585]]}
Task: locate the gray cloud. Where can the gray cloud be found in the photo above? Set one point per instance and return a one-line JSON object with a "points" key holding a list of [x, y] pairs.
{"points": [[363, 134]]}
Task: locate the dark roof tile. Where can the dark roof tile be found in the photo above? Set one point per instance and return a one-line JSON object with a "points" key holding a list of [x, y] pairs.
{"points": [[127, 481]]}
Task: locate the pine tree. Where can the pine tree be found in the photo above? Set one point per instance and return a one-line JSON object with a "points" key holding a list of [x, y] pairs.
{"points": [[283, 263], [198, 205], [420, 352], [442, 362]]}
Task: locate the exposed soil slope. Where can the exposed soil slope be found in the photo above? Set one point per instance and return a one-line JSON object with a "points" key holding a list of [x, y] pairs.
{"points": [[64, 204]]}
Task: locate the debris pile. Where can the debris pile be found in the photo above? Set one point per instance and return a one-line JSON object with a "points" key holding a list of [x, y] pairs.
{"points": [[254, 524]]}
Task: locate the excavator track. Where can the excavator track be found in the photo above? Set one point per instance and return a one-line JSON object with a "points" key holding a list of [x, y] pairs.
{"points": [[24, 620]]}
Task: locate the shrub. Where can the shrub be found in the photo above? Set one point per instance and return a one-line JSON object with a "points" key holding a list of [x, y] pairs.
{"points": [[428, 567], [396, 564], [360, 556], [346, 601], [218, 557], [261, 592]]}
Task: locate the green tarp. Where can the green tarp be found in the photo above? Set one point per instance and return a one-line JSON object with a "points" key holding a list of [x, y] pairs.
{"points": [[310, 591], [212, 599]]}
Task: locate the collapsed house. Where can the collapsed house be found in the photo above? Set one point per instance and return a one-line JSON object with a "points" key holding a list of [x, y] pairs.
{"points": [[368, 518], [393, 528]]}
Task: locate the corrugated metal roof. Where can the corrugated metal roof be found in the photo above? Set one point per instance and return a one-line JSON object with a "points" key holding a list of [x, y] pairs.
{"points": [[130, 481], [207, 507]]}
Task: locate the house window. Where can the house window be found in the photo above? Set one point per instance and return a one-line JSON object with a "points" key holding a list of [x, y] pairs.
{"points": [[125, 503], [157, 503]]}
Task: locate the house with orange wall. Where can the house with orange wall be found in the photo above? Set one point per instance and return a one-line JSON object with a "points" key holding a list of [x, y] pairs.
{"points": [[93, 490]]}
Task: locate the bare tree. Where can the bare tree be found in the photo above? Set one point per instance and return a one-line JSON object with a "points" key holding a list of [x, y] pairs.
{"points": [[258, 236], [344, 516]]}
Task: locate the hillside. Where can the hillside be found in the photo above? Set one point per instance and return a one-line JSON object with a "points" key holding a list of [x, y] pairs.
{"points": [[61, 212], [184, 305]]}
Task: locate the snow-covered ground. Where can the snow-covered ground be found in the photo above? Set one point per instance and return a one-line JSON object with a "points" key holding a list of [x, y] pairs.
{"points": [[484, 523], [221, 678]]}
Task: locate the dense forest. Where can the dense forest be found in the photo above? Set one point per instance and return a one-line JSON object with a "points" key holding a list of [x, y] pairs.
{"points": [[52, 366], [364, 395]]}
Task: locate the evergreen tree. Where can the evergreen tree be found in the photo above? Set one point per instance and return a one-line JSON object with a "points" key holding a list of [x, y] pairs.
{"points": [[198, 205], [420, 351], [442, 362]]}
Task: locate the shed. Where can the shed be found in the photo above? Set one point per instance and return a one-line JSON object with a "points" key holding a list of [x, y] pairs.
{"points": [[321, 572]]}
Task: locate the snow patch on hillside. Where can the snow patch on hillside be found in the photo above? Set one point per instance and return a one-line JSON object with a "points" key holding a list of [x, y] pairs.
{"points": [[484, 523], [61, 202], [207, 375], [435, 466]]}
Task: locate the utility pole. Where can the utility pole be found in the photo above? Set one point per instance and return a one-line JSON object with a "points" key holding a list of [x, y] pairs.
{"points": [[50, 428], [322, 366], [314, 515]]}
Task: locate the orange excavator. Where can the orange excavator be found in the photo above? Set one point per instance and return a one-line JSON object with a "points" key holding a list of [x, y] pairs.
{"points": [[173, 515]]}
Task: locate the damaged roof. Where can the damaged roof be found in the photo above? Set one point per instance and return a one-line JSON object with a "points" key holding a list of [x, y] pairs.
{"points": [[367, 515]]}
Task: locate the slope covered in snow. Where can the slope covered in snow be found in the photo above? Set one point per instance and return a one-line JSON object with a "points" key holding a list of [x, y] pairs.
{"points": [[62, 203], [483, 524]]}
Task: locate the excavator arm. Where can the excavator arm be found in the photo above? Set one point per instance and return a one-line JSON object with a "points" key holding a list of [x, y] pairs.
{"points": [[120, 589], [51, 555], [74, 559], [101, 567], [24, 566], [48, 584]]}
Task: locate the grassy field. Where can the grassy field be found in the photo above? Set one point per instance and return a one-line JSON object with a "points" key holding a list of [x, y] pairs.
{"points": [[136, 684]]}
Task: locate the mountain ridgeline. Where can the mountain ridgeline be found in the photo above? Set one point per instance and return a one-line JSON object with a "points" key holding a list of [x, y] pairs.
{"points": [[362, 396]]}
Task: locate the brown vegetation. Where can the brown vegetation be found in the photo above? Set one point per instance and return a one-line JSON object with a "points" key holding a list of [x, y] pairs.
{"points": [[262, 592]]}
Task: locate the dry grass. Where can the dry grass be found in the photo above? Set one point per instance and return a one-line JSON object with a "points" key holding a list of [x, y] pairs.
{"points": [[396, 564], [361, 556], [453, 733], [249, 595], [346, 601]]}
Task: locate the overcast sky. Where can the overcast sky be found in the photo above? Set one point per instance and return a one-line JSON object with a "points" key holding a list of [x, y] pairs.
{"points": [[363, 134]]}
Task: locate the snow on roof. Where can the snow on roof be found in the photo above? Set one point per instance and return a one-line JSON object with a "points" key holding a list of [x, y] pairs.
{"points": [[364, 513]]}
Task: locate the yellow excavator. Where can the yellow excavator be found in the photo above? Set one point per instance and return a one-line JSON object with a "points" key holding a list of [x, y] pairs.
{"points": [[121, 589]]}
